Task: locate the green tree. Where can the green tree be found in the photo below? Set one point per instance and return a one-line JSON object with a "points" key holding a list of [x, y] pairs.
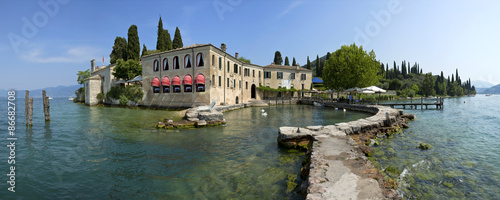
{"points": [[328, 55], [350, 66], [428, 85], [82, 75], [395, 84], [277, 58], [119, 50], [144, 49], [308, 63], [287, 62], [415, 88], [317, 65], [294, 62], [127, 70], [168, 40], [133, 46], [177, 43], [321, 67], [160, 40], [243, 59]]}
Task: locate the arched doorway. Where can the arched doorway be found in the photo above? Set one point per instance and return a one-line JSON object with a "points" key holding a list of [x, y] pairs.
{"points": [[254, 95], [237, 100]]}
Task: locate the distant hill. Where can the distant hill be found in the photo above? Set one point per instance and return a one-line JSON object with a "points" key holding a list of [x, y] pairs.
{"points": [[493, 90], [481, 90], [482, 84], [59, 91]]}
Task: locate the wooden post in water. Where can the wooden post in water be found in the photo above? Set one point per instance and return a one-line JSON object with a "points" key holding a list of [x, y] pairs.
{"points": [[46, 105], [26, 105], [421, 103], [30, 112]]}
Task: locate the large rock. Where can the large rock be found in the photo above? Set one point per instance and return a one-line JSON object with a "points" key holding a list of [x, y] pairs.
{"points": [[211, 116]]}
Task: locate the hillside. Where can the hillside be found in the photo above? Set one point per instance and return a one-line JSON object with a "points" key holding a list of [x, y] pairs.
{"points": [[482, 84], [493, 90], [59, 91]]}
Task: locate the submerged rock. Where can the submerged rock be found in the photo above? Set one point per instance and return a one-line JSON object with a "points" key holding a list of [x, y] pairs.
{"points": [[424, 146]]}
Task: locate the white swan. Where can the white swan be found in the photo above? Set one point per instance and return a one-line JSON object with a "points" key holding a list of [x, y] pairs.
{"points": [[264, 114], [344, 109], [262, 110]]}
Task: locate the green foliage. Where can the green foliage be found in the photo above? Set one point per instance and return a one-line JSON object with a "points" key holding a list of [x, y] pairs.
{"points": [[454, 89], [294, 62], [428, 85], [149, 52], [318, 68], [268, 89], [133, 46], [161, 44], [80, 95], [119, 50], [277, 58], [243, 59], [177, 43], [82, 75], [287, 62], [395, 84], [168, 40], [350, 66], [132, 92], [123, 100], [144, 50], [100, 97], [127, 69], [309, 64]]}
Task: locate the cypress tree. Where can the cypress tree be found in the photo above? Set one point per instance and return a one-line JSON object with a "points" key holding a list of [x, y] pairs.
{"points": [[387, 71], [328, 55], [277, 58], [421, 71], [293, 62], [168, 40], [144, 49], [317, 65], [133, 46], [322, 66], [160, 41], [382, 69], [177, 43], [287, 62], [409, 69], [308, 63], [119, 50]]}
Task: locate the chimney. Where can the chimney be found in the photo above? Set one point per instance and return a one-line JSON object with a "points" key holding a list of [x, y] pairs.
{"points": [[92, 65], [272, 63], [298, 67], [223, 47], [236, 55]]}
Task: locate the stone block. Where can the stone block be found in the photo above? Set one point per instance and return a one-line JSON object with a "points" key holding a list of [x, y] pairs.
{"points": [[211, 116]]}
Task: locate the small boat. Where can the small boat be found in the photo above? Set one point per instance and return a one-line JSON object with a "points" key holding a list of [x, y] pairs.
{"points": [[318, 104], [71, 99], [487, 95], [50, 98]]}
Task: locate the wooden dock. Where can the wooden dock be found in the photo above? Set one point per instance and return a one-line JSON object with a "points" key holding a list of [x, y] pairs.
{"points": [[415, 105]]}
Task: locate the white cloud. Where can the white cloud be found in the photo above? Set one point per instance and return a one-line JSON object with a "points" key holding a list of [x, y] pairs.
{"points": [[290, 8], [71, 55]]}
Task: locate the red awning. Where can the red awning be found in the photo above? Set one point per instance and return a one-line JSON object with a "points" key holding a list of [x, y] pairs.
{"points": [[188, 80], [176, 80], [165, 81], [200, 79], [155, 82]]}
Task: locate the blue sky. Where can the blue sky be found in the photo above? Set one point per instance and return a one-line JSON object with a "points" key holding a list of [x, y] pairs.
{"points": [[42, 47]]}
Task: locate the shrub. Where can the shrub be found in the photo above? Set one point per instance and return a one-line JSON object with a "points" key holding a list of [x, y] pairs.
{"points": [[123, 100], [100, 97], [133, 93]]}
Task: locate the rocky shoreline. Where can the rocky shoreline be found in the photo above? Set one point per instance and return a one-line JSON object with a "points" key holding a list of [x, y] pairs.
{"points": [[338, 164], [199, 117]]}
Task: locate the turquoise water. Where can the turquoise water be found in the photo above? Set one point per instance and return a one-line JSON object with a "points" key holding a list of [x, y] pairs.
{"points": [[115, 153], [464, 161]]}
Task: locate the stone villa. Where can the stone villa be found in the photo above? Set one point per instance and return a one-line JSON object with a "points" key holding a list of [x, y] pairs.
{"points": [[198, 74]]}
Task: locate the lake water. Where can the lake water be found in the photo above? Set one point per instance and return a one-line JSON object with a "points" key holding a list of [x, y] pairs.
{"points": [[464, 161], [116, 153]]}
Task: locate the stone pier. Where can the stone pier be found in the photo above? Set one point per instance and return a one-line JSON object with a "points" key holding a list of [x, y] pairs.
{"points": [[338, 167]]}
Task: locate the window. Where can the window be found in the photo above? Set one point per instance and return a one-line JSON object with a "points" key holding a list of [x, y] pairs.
{"points": [[227, 81], [165, 83], [239, 84], [292, 76], [213, 80], [176, 83], [247, 72], [234, 83], [246, 85], [228, 66], [165, 64], [176, 63], [155, 84], [267, 74], [188, 83], [200, 60], [155, 66], [253, 73], [220, 63], [279, 75], [187, 61], [303, 77], [213, 60], [259, 74], [235, 68], [220, 81], [199, 83]]}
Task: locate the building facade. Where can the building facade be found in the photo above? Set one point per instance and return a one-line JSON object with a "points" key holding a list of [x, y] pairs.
{"points": [[100, 81], [197, 74]]}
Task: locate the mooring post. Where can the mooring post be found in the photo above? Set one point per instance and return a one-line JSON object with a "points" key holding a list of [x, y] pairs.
{"points": [[26, 105], [30, 112], [46, 105], [421, 103]]}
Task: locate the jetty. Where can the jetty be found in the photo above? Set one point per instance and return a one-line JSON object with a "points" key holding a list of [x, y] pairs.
{"points": [[414, 105]]}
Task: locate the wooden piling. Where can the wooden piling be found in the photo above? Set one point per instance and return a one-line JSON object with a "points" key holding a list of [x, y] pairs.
{"points": [[26, 105], [30, 112], [46, 105]]}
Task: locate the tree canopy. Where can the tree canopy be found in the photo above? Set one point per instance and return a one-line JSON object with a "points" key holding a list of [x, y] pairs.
{"points": [[133, 46], [308, 63], [350, 66], [294, 62], [161, 44], [243, 59], [177, 43], [144, 49], [428, 85], [119, 50], [127, 70], [287, 62], [82, 75], [277, 58]]}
